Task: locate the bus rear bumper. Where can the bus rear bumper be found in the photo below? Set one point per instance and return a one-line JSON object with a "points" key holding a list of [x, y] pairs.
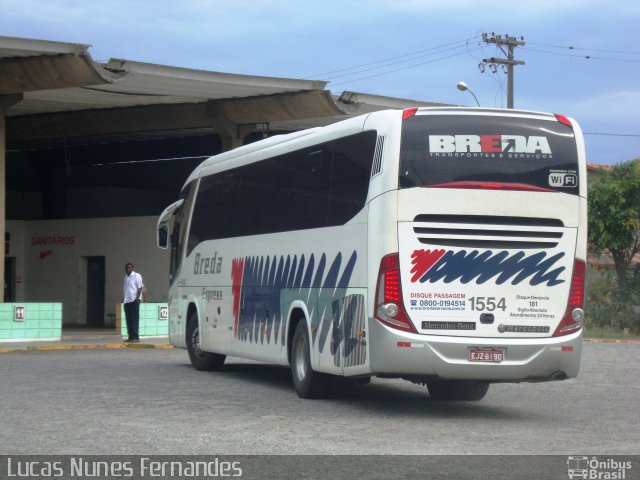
{"points": [[396, 353]]}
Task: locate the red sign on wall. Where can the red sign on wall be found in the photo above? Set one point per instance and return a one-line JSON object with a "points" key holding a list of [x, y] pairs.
{"points": [[53, 240]]}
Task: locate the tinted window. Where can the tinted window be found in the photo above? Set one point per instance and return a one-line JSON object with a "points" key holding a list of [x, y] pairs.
{"points": [[442, 149], [180, 229], [321, 186]]}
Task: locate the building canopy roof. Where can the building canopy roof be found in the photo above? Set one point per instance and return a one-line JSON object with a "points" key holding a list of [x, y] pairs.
{"points": [[64, 93]]}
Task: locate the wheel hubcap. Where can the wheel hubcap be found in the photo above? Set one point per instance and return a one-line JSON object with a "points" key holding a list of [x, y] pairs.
{"points": [[301, 359]]}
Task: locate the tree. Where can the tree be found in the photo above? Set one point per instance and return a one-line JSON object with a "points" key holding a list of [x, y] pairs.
{"points": [[614, 217]]}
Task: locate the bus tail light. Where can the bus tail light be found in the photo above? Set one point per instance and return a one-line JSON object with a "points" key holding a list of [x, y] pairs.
{"points": [[389, 305], [409, 112], [563, 120], [523, 187], [574, 316]]}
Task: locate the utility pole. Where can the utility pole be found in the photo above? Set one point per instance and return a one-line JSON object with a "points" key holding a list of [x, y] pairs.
{"points": [[509, 62]]}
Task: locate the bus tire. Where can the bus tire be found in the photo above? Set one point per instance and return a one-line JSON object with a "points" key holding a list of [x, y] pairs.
{"points": [[203, 361], [308, 384], [456, 390]]}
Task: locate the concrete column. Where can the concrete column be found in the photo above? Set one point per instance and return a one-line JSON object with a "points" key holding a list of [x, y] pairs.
{"points": [[231, 134], [6, 101]]}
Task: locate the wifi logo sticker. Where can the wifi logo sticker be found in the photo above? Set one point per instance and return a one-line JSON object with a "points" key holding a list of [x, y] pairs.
{"points": [[569, 180]]}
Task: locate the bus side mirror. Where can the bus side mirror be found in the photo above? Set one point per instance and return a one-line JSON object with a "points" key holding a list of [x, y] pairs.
{"points": [[163, 224], [163, 236]]}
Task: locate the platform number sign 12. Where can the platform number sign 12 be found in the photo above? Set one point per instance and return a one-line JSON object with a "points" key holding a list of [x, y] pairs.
{"points": [[163, 313]]}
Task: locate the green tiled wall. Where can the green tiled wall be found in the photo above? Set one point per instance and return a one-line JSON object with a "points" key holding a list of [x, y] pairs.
{"points": [[151, 325], [42, 321]]}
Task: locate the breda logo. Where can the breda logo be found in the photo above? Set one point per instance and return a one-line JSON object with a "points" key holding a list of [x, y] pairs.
{"points": [[489, 144], [207, 265]]}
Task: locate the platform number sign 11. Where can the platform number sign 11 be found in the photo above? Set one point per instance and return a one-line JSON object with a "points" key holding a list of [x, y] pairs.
{"points": [[18, 313]]}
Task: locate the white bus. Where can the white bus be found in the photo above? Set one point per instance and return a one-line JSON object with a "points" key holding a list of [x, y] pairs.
{"points": [[445, 246]]}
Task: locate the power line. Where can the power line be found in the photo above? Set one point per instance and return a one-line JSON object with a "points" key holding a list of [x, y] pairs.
{"points": [[585, 57], [148, 160], [355, 72], [622, 52], [404, 68], [385, 62], [613, 134]]}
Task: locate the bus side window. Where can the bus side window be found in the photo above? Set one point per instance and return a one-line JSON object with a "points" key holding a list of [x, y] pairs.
{"points": [[179, 234], [352, 161]]}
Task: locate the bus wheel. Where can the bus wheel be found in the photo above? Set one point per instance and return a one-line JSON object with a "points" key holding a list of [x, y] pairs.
{"points": [[308, 384], [204, 361], [447, 390]]}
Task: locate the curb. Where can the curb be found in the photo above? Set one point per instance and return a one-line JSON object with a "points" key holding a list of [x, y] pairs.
{"points": [[116, 346], [97, 346]]}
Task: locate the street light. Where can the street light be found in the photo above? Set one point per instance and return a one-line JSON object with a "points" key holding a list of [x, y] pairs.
{"points": [[463, 88]]}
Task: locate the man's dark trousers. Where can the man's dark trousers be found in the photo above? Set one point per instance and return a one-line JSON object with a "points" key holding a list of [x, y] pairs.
{"points": [[132, 315]]}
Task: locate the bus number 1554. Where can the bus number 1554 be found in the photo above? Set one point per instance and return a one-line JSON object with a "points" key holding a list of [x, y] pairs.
{"points": [[487, 304]]}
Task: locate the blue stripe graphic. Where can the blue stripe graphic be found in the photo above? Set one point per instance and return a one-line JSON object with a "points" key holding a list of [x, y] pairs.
{"points": [[270, 284], [482, 267]]}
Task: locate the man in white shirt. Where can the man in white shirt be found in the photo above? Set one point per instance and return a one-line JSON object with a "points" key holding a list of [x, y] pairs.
{"points": [[132, 298]]}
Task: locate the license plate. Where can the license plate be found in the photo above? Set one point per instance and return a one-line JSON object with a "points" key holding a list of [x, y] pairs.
{"points": [[489, 355]]}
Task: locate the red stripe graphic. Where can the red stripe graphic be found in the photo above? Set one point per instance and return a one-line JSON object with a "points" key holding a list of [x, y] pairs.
{"points": [[237, 270], [422, 261]]}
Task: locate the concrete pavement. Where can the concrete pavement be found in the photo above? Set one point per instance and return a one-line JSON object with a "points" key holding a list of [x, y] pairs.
{"points": [[87, 338], [84, 339]]}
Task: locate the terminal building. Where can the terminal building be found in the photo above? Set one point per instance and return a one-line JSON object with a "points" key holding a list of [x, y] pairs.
{"points": [[92, 152]]}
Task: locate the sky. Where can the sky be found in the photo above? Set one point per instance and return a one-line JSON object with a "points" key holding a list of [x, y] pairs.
{"points": [[582, 57]]}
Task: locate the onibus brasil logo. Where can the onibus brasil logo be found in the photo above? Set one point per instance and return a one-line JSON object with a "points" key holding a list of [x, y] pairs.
{"points": [[597, 468]]}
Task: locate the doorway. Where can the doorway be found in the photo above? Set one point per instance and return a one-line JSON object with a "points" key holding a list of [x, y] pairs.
{"points": [[95, 291], [9, 279]]}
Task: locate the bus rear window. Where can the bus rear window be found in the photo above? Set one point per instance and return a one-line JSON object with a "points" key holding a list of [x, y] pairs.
{"points": [[495, 152]]}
